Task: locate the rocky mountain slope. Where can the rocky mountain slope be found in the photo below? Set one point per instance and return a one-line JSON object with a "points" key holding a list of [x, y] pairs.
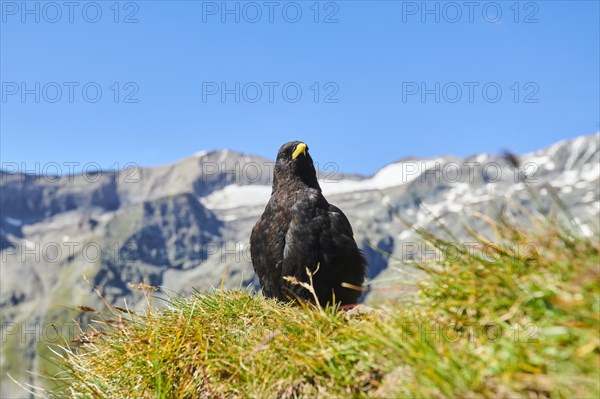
{"points": [[186, 226]]}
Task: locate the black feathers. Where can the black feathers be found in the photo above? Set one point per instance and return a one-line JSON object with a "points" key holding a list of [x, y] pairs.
{"points": [[299, 229]]}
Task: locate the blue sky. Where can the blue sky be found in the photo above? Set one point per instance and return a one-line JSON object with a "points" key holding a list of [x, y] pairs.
{"points": [[379, 80]]}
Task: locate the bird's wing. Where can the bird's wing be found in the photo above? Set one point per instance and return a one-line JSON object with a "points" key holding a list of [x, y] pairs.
{"points": [[339, 221], [317, 231], [350, 263]]}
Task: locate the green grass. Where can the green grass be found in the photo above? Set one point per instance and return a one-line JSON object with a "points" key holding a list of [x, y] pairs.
{"points": [[515, 323]]}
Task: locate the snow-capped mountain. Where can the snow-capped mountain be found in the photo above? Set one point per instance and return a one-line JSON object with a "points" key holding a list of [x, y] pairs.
{"points": [[187, 225]]}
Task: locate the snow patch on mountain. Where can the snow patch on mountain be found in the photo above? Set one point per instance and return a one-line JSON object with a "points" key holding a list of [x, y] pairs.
{"points": [[392, 175], [234, 196], [13, 222]]}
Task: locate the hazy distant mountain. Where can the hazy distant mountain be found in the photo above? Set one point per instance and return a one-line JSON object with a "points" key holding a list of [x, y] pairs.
{"points": [[187, 225]]}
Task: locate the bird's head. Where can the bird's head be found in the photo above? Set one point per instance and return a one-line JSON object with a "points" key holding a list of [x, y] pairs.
{"points": [[294, 162]]}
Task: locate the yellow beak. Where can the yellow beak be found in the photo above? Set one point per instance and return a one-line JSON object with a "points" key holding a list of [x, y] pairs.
{"points": [[300, 149]]}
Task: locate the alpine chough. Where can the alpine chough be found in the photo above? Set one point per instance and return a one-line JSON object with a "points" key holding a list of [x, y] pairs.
{"points": [[299, 229]]}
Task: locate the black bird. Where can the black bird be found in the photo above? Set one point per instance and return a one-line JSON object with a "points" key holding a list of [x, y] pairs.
{"points": [[299, 229]]}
